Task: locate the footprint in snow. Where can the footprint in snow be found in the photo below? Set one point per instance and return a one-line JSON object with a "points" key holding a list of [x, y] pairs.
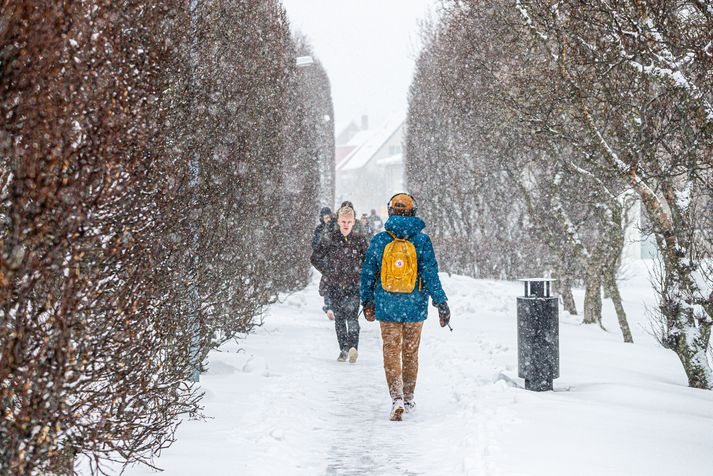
{"points": [[256, 365], [278, 434]]}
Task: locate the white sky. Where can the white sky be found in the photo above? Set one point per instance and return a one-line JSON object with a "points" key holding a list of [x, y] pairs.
{"points": [[368, 48]]}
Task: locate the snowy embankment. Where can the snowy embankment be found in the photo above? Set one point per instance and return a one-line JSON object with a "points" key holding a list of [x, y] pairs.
{"points": [[284, 406]]}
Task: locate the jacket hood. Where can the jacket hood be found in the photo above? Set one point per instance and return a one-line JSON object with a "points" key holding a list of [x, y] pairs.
{"points": [[404, 227]]}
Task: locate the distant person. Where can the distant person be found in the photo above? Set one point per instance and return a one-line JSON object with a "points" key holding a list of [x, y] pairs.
{"points": [[325, 217], [348, 204], [375, 222], [365, 225], [325, 220], [399, 273], [339, 257]]}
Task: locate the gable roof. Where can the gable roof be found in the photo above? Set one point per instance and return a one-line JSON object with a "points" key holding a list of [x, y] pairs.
{"points": [[343, 132], [360, 138], [375, 140]]}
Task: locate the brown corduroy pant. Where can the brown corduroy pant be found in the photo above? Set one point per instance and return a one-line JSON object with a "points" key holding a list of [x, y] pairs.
{"points": [[401, 341]]}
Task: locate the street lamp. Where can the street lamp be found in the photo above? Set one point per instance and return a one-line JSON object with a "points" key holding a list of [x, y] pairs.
{"points": [[303, 61], [193, 182]]}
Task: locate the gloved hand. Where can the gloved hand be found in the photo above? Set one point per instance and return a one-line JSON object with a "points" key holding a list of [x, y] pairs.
{"points": [[444, 313], [369, 313]]}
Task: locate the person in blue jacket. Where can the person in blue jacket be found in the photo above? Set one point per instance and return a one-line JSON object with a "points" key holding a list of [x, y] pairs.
{"points": [[401, 315]]}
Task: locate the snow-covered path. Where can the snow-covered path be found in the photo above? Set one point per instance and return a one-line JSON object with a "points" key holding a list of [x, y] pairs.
{"points": [[284, 406]]}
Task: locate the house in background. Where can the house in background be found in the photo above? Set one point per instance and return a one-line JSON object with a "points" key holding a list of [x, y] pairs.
{"points": [[348, 137], [344, 150], [371, 169]]}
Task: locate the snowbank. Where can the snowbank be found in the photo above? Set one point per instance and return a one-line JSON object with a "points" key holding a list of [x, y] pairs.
{"points": [[284, 406]]}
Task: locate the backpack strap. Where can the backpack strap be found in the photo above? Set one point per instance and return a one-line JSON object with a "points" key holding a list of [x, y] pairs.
{"points": [[396, 238]]}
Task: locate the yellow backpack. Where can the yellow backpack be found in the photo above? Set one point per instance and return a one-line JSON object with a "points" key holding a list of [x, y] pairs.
{"points": [[399, 266]]}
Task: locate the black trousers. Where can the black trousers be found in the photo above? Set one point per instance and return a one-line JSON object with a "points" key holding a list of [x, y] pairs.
{"points": [[345, 305]]}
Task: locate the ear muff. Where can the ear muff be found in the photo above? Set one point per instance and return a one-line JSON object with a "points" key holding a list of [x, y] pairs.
{"points": [[402, 204]]}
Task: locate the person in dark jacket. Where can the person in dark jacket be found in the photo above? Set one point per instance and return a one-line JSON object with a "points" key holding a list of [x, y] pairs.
{"points": [[339, 257], [401, 314], [325, 223], [325, 217]]}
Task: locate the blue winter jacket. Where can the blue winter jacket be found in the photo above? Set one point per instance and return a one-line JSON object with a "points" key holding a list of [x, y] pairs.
{"points": [[401, 307]]}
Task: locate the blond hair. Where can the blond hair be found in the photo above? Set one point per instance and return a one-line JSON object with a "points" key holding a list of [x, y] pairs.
{"points": [[346, 211]]}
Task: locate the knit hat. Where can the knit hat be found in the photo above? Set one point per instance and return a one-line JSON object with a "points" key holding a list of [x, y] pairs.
{"points": [[402, 204], [325, 211]]}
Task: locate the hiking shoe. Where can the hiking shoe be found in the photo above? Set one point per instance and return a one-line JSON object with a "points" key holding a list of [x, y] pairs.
{"points": [[409, 405], [397, 409], [330, 314], [342, 356], [353, 354]]}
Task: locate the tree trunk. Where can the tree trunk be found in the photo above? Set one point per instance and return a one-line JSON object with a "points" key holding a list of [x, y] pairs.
{"points": [[565, 278], [693, 357], [593, 286], [613, 291], [686, 334], [593, 299], [615, 238], [566, 292]]}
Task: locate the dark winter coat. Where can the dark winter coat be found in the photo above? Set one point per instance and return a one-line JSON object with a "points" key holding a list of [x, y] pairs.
{"points": [[319, 231], [402, 307], [322, 227], [339, 259]]}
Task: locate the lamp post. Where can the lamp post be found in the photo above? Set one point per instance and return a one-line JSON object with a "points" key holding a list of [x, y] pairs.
{"points": [[303, 61], [194, 177]]}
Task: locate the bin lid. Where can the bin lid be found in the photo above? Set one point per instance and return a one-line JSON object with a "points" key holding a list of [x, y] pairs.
{"points": [[537, 287]]}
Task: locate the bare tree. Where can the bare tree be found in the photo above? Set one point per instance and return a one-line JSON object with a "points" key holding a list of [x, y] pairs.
{"points": [[639, 74], [486, 92]]}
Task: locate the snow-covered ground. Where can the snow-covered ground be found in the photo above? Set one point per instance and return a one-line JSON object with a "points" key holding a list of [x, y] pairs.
{"points": [[283, 406]]}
